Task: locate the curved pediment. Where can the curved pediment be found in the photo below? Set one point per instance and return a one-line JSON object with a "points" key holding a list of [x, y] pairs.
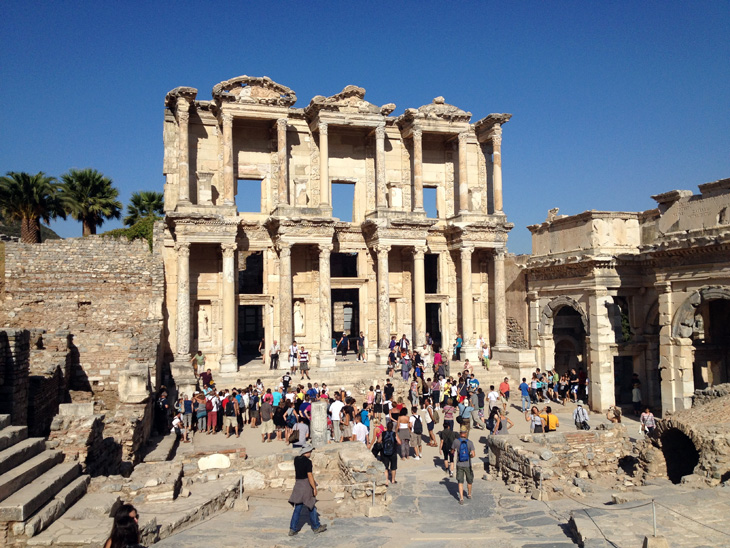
{"points": [[254, 90], [349, 100], [438, 109]]}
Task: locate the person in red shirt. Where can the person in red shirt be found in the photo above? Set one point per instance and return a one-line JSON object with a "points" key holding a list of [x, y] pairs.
{"points": [[504, 392]]}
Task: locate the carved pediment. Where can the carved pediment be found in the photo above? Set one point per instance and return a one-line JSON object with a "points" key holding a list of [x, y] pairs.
{"points": [[438, 109], [254, 90], [350, 100]]}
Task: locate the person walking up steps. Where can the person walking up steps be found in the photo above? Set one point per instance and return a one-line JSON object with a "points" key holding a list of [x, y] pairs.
{"points": [[464, 451]]}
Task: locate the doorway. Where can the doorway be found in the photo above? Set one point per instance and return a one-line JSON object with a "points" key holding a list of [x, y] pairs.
{"points": [[346, 313], [623, 369], [433, 323], [250, 332]]}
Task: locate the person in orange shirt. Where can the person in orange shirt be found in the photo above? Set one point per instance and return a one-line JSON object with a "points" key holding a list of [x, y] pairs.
{"points": [[551, 421], [504, 393]]}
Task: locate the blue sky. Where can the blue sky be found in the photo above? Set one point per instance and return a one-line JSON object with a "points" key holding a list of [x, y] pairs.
{"points": [[612, 101]]}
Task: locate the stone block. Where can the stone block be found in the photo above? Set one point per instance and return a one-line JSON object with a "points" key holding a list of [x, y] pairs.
{"points": [[76, 409], [253, 480], [216, 461]]}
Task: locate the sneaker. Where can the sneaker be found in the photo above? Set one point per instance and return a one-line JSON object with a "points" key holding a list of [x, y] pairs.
{"points": [[292, 532], [451, 474], [320, 529], [417, 457]]}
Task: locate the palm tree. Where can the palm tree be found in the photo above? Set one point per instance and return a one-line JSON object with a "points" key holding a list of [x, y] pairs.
{"points": [[144, 204], [28, 199], [89, 197]]}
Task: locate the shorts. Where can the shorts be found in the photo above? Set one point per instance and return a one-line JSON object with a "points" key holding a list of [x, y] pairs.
{"points": [[304, 366], [390, 461], [404, 434], [416, 440], [449, 456], [361, 352], [506, 395], [377, 408], [430, 426], [464, 473], [187, 420], [502, 399], [267, 427], [346, 430], [229, 421]]}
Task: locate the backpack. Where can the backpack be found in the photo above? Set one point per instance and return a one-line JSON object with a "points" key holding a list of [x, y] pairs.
{"points": [[388, 444], [418, 426], [230, 409], [464, 451], [436, 416], [209, 405], [378, 398], [490, 424]]}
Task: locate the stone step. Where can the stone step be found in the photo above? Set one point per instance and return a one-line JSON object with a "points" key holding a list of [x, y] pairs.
{"points": [[20, 452], [28, 471], [162, 450], [4, 421], [23, 503], [56, 507], [10, 435]]}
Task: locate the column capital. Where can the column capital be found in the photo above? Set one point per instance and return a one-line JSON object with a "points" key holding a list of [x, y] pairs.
{"points": [[497, 138], [466, 250], [228, 250], [419, 251], [463, 136], [499, 253], [382, 248], [663, 287], [417, 134], [182, 248], [325, 249], [532, 296], [380, 131], [227, 118], [281, 124], [322, 128], [284, 249], [183, 116]]}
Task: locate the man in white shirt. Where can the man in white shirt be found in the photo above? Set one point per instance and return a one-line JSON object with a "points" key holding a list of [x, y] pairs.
{"points": [[415, 436], [274, 355], [335, 411], [426, 355], [293, 357], [359, 431], [493, 397]]}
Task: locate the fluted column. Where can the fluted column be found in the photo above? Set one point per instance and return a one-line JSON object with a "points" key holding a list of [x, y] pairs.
{"points": [[229, 361], [419, 296], [324, 168], [417, 170], [283, 161], [285, 297], [500, 309], [467, 296], [463, 175], [182, 344], [497, 168], [183, 163], [325, 306], [383, 302], [228, 182], [380, 167]]}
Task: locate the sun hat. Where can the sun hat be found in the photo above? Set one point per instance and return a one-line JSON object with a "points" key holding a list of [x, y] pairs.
{"points": [[308, 448]]}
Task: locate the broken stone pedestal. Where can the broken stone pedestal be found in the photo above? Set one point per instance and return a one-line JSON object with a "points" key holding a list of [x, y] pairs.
{"points": [[318, 426]]}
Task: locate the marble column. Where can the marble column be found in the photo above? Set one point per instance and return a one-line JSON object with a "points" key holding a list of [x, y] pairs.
{"points": [[463, 174], [228, 181], [183, 163], [229, 360], [601, 393], [467, 298], [419, 296], [325, 307], [283, 161], [324, 170], [497, 169], [285, 298], [417, 170], [182, 343], [500, 308], [381, 190], [383, 303]]}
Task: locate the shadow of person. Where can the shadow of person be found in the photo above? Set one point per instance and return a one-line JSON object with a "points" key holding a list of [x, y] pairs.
{"points": [[451, 486]]}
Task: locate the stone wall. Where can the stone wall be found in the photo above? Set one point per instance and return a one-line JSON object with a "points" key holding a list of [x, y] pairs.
{"points": [[707, 395], [516, 300], [106, 293], [14, 360], [50, 366]]}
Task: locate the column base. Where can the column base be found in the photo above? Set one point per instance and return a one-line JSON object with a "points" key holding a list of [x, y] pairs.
{"points": [[327, 359], [229, 364], [184, 377], [517, 363], [381, 357]]}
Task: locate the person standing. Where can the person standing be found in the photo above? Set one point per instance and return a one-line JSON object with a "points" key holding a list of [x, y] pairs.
{"points": [[267, 424], [464, 451], [304, 493], [293, 357], [648, 422], [580, 418], [551, 421], [336, 416], [525, 393], [262, 350], [198, 362], [636, 399], [457, 348], [360, 342], [274, 355], [304, 363]]}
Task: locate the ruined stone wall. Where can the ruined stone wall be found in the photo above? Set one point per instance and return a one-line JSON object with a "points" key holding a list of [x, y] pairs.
{"points": [[14, 360], [106, 293], [50, 368], [701, 397], [516, 300]]}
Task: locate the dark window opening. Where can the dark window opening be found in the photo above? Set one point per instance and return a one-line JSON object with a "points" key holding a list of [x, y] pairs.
{"points": [[433, 324], [431, 271], [430, 197], [346, 314], [250, 332], [248, 192], [680, 454], [343, 265], [343, 200], [251, 273]]}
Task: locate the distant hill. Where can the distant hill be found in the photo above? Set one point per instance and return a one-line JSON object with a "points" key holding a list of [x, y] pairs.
{"points": [[13, 229]]}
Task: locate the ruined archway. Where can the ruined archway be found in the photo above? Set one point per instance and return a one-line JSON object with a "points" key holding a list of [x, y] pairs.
{"points": [[680, 454], [563, 330]]}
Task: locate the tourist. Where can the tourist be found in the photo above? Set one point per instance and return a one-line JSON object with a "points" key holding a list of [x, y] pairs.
{"points": [[436, 393], [178, 428], [335, 416], [405, 366], [279, 419], [343, 344], [389, 454], [304, 362], [464, 451], [449, 412], [304, 493], [162, 412], [206, 377], [392, 344], [492, 397], [504, 393], [431, 416], [359, 430], [293, 357], [404, 433], [426, 356], [122, 528], [346, 423], [537, 423], [486, 354], [648, 422], [253, 407], [201, 415], [468, 367], [378, 402], [274, 355], [391, 363], [262, 350], [187, 411], [404, 344], [457, 347], [360, 343], [231, 411], [614, 414], [415, 424], [580, 418], [437, 364], [573, 382], [636, 399], [267, 423], [198, 362], [447, 436], [503, 422], [301, 429], [551, 421]]}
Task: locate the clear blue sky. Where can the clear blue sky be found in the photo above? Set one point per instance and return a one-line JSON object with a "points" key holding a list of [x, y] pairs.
{"points": [[612, 101]]}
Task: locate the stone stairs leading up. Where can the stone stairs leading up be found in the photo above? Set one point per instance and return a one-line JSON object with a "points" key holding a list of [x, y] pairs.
{"points": [[36, 486]]}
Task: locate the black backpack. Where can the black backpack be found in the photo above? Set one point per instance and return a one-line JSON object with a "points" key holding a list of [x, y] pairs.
{"points": [[230, 409], [388, 444], [418, 426]]}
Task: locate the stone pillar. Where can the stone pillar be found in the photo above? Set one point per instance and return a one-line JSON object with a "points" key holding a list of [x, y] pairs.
{"points": [[283, 161], [533, 320], [182, 343], [285, 298], [383, 304], [419, 296], [417, 170], [324, 170], [497, 169], [183, 163], [380, 183], [326, 358], [500, 308], [229, 360], [463, 174], [318, 427], [228, 182], [600, 367], [467, 302]]}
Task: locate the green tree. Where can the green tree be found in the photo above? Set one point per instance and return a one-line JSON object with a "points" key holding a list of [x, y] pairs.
{"points": [[89, 197], [28, 199], [143, 205]]}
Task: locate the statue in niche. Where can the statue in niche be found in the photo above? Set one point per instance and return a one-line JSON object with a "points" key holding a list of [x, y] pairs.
{"points": [[298, 319], [203, 324]]}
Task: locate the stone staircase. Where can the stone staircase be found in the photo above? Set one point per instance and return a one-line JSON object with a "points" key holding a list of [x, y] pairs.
{"points": [[36, 485]]}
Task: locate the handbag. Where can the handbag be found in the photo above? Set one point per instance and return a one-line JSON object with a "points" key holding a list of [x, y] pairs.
{"points": [[294, 437]]}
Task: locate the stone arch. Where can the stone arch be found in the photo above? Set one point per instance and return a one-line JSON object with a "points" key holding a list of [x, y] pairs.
{"points": [[679, 444], [548, 313], [683, 322]]}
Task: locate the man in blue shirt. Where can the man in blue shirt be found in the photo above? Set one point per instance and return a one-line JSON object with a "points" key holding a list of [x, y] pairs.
{"points": [[277, 397], [525, 392], [473, 383]]}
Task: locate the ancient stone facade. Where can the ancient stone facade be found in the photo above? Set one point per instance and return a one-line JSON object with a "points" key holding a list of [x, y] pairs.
{"points": [[252, 250], [645, 293]]}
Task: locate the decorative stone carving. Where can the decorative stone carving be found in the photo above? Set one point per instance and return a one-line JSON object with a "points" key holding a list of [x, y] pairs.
{"points": [[254, 90]]}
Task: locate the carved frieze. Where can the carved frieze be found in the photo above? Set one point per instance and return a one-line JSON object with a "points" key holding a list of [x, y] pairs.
{"points": [[351, 100], [254, 90]]}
